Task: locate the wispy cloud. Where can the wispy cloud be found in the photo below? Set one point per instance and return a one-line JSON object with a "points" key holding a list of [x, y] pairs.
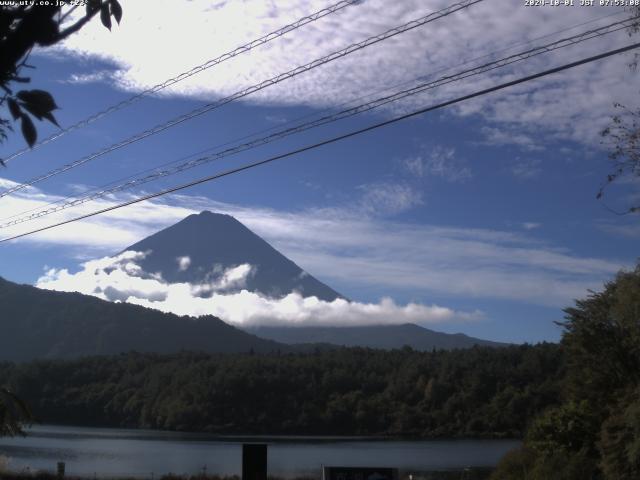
{"points": [[628, 230], [438, 161], [526, 169], [342, 244], [531, 225], [505, 136], [388, 198]]}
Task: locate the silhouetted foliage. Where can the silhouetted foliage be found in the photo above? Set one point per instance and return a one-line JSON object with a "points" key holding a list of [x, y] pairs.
{"points": [[14, 413], [24, 26], [622, 136], [595, 432], [478, 392]]}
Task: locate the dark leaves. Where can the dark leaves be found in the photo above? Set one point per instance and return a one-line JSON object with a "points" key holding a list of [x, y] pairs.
{"points": [[14, 108], [38, 103], [44, 30], [28, 130], [105, 15], [116, 10], [92, 6], [43, 100]]}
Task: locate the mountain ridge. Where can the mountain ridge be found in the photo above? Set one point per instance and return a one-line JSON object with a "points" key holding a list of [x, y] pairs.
{"points": [[37, 323], [372, 336], [40, 323]]}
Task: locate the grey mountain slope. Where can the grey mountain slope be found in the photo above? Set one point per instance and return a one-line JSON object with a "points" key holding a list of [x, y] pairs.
{"points": [[213, 240], [372, 336], [37, 323]]}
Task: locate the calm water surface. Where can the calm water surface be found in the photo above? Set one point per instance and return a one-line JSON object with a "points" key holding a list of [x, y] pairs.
{"points": [[115, 452]]}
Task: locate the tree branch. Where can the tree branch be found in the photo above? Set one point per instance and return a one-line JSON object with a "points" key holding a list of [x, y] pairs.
{"points": [[78, 25]]}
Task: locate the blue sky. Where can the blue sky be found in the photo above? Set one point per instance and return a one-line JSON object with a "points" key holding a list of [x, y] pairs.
{"points": [[483, 214]]}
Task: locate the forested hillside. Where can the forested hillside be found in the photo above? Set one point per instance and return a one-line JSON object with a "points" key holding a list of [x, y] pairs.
{"points": [[37, 323], [479, 392]]}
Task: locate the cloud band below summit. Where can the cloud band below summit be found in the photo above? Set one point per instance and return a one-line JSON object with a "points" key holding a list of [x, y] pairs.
{"points": [[120, 279]]}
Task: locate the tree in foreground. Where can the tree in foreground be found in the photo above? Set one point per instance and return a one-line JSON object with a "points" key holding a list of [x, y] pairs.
{"points": [[24, 26], [595, 432], [622, 136]]}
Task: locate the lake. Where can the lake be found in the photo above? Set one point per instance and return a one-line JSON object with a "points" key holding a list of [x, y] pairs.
{"points": [[110, 452]]}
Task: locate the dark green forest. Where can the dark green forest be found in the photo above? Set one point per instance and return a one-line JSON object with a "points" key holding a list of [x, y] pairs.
{"points": [[478, 392]]}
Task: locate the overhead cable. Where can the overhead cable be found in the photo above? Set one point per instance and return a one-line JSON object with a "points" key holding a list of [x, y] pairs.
{"points": [[332, 140], [563, 43], [248, 91], [349, 112], [189, 73]]}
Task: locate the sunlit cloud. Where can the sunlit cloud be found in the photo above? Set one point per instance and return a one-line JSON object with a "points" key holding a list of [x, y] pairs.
{"points": [[192, 32], [121, 279], [388, 198], [183, 263]]}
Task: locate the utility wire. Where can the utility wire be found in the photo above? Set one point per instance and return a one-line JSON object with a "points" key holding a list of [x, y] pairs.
{"points": [[195, 70], [303, 117], [334, 139], [290, 122], [252, 89], [518, 57]]}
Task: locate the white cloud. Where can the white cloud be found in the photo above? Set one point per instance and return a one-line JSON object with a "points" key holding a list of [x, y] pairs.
{"points": [[628, 230], [183, 263], [343, 245], [192, 32], [104, 233], [221, 280], [93, 77], [440, 162], [120, 279], [526, 169], [511, 136], [388, 198], [531, 225]]}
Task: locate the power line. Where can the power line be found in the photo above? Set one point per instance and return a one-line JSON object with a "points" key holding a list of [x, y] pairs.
{"points": [[255, 133], [252, 89], [333, 139], [517, 57], [193, 71]]}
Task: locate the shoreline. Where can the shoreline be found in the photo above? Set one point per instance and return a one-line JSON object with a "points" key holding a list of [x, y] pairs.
{"points": [[469, 473], [182, 435]]}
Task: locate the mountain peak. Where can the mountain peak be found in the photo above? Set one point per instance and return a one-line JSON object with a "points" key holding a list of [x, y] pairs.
{"points": [[208, 215], [201, 247]]}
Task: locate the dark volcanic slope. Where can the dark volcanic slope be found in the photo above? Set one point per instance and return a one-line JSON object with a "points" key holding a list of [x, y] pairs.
{"points": [[214, 240], [373, 336], [38, 323]]}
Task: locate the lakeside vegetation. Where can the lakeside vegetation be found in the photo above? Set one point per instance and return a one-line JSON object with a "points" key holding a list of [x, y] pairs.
{"points": [[479, 392], [576, 404], [594, 433]]}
